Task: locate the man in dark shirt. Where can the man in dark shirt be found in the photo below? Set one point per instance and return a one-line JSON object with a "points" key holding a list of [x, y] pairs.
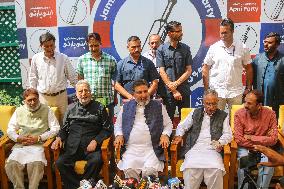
{"points": [[135, 67], [268, 70], [175, 60], [86, 125]]}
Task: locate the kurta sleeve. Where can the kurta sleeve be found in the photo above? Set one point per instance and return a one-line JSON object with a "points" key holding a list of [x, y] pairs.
{"points": [[118, 124], [168, 125], [227, 133], [13, 127], [106, 127], [185, 125], [53, 126]]}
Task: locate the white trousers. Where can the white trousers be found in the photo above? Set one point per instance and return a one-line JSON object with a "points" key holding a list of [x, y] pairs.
{"points": [[193, 177], [15, 172], [230, 101]]}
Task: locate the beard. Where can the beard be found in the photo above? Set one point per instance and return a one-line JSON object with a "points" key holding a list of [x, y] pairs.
{"points": [[32, 109], [143, 103]]}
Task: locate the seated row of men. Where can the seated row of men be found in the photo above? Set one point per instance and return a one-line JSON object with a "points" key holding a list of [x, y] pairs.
{"points": [[142, 130]]}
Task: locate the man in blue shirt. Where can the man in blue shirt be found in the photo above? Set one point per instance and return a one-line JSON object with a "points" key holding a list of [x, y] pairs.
{"points": [[269, 72], [135, 67], [175, 60]]}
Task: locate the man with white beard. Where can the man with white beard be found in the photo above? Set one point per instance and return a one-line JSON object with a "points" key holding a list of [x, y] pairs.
{"points": [[29, 127], [142, 129]]}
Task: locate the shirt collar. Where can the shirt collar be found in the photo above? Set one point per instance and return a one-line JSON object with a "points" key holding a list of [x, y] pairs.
{"points": [[223, 45], [46, 58], [168, 45], [130, 60]]}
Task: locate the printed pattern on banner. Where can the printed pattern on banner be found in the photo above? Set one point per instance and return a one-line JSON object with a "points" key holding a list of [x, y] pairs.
{"points": [[71, 20]]}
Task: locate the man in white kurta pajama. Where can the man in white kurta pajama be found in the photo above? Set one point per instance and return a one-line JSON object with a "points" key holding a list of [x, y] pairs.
{"points": [[142, 155], [202, 158], [29, 127]]}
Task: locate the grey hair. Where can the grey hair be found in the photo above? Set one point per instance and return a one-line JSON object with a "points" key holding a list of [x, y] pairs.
{"points": [[211, 92], [83, 82]]}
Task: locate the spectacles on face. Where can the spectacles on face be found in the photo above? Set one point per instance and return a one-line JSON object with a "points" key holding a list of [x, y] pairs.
{"points": [[154, 42], [214, 104], [84, 91]]}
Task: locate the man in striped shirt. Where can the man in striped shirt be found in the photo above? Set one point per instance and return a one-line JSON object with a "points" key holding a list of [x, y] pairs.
{"points": [[99, 69]]}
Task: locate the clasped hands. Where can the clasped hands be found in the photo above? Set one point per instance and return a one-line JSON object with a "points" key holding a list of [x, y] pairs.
{"points": [[172, 86], [27, 140]]}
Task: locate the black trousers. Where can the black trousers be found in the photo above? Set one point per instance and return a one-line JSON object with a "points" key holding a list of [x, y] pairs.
{"points": [[170, 102], [66, 163]]}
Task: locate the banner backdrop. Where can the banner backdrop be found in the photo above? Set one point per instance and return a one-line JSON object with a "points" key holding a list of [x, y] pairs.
{"points": [[71, 20]]}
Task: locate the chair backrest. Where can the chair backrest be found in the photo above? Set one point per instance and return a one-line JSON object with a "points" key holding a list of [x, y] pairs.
{"points": [[56, 112], [185, 112], [6, 113], [281, 117]]}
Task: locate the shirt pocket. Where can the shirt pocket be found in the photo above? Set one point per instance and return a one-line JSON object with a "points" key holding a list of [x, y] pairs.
{"points": [[168, 61], [127, 75]]}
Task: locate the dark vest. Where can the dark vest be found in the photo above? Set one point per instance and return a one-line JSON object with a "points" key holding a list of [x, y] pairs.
{"points": [[216, 128], [154, 120]]}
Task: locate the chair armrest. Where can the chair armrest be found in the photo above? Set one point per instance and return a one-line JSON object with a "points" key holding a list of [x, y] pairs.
{"points": [[105, 144], [46, 146], [166, 165], [174, 158], [227, 149], [105, 148], [281, 138]]}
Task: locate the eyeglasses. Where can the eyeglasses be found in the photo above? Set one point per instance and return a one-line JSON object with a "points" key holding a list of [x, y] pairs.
{"points": [[210, 104], [154, 42]]}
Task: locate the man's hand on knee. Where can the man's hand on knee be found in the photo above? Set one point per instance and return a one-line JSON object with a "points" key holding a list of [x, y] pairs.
{"points": [[92, 146], [164, 141], [57, 144], [119, 141]]}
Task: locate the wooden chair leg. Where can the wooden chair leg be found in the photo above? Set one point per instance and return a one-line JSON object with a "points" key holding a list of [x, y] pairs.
{"points": [[57, 173]]}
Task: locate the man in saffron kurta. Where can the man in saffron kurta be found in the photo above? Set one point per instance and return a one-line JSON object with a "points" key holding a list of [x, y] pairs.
{"points": [[207, 130], [143, 127], [255, 125], [30, 125]]}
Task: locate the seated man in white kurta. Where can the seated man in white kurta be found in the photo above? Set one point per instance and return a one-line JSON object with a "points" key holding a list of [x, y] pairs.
{"points": [[30, 125], [143, 126], [207, 130]]}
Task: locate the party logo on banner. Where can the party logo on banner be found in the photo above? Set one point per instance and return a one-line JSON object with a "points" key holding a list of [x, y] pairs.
{"points": [[72, 40], [274, 9], [73, 12], [41, 13], [245, 10]]}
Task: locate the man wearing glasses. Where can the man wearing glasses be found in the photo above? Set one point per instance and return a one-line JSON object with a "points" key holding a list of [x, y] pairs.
{"points": [[223, 67], [269, 72], [207, 130], [175, 60]]}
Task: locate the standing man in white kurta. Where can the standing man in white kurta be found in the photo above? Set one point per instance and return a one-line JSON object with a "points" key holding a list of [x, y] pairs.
{"points": [[29, 127], [223, 67], [207, 130], [143, 127]]}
